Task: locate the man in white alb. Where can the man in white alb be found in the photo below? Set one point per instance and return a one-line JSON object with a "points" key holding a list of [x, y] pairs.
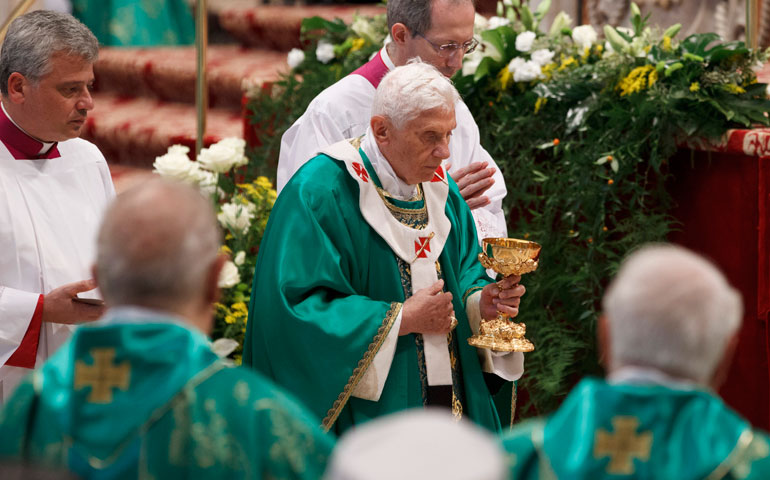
{"points": [[439, 32], [53, 189]]}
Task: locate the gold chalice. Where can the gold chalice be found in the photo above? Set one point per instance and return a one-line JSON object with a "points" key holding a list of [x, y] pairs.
{"points": [[508, 256]]}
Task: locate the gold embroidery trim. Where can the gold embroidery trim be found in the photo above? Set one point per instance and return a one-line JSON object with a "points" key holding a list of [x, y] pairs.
{"points": [[100, 464], [727, 464], [470, 292], [363, 365], [412, 211]]}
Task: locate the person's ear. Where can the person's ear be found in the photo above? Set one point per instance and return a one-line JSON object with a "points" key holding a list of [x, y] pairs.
{"points": [[723, 367], [381, 129], [16, 87], [211, 292], [400, 34]]}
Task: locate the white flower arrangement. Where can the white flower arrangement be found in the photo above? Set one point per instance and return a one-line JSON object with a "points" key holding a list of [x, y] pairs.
{"points": [[295, 58], [236, 216], [224, 155], [229, 276], [584, 36], [324, 52], [542, 56], [524, 41]]}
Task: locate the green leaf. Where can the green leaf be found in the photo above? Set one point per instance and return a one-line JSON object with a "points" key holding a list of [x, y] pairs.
{"points": [[619, 44], [673, 30], [542, 9], [527, 19], [318, 23], [614, 165]]}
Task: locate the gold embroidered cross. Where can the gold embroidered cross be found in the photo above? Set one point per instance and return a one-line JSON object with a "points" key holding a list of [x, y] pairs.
{"points": [[102, 376], [623, 445]]}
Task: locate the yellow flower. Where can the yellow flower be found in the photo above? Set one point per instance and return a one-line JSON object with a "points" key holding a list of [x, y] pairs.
{"points": [[667, 43], [566, 62], [586, 53], [548, 70], [541, 101], [505, 76], [694, 86], [733, 88], [229, 319], [637, 80], [239, 309], [263, 182], [225, 249], [358, 44], [599, 48]]}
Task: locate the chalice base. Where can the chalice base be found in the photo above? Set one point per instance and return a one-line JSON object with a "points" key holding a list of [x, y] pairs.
{"points": [[502, 335]]}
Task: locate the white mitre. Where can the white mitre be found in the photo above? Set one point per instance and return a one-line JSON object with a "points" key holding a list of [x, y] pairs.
{"points": [[417, 445]]}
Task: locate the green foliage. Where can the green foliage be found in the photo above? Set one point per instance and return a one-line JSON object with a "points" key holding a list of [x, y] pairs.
{"points": [[583, 143]]}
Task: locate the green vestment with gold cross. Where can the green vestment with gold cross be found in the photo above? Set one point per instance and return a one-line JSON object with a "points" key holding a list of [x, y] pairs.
{"points": [[618, 431], [150, 400], [328, 288]]}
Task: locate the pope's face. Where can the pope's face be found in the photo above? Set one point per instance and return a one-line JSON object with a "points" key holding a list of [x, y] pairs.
{"points": [[56, 107], [451, 22], [416, 150]]}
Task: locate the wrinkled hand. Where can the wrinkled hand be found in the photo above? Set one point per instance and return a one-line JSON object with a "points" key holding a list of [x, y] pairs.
{"points": [[429, 310], [473, 181], [58, 306], [505, 299]]}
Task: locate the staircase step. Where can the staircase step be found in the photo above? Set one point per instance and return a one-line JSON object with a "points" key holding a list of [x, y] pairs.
{"points": [[168, 73], [132, 131], [277, 26]]}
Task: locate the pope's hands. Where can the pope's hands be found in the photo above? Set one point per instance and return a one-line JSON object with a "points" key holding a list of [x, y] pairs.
{"points": [[504, 296], [473, 181], [429, 310], [59, 307]]}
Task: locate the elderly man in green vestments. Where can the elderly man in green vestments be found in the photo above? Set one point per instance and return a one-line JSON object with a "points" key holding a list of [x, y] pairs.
{"points": [[368, 263], [140, 394], [668, 332]]}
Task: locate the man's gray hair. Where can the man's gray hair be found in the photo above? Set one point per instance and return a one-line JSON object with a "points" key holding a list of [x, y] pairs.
{"points": [[672, 310], [34, 37], [414, 14], [407, 91], [156, 246]]}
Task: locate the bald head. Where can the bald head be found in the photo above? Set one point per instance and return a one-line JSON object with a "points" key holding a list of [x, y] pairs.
{"points": [[157, 246], [671, 310]]}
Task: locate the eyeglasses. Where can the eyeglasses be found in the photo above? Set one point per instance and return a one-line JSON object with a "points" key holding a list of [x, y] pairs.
{"points": [[449, 49]]}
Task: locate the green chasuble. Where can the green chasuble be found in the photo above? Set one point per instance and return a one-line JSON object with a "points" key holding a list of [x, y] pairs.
{"points": [[152, 401], [638, 431], [328, 288], [137, 23]]}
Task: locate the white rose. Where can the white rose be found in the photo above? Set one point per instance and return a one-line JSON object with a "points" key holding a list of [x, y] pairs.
{"points": [[236, 216], [229, 276], [207, 182], [542, 57], [496, 22], [176, 164], [295, 57], [527, 72], [223, 155], [524, 41], [240, 257], [515, 64], [324, 52], [584, 36]]}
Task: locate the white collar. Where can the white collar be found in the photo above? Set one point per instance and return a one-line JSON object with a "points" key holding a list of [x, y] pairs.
{"points": [[46, 145], [132, 315], [386, 58], [650, 376], [391, 183]]}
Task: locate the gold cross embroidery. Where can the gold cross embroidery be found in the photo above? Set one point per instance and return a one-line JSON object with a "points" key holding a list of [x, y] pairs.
{"points": [[102, 376], [623, 445]]}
